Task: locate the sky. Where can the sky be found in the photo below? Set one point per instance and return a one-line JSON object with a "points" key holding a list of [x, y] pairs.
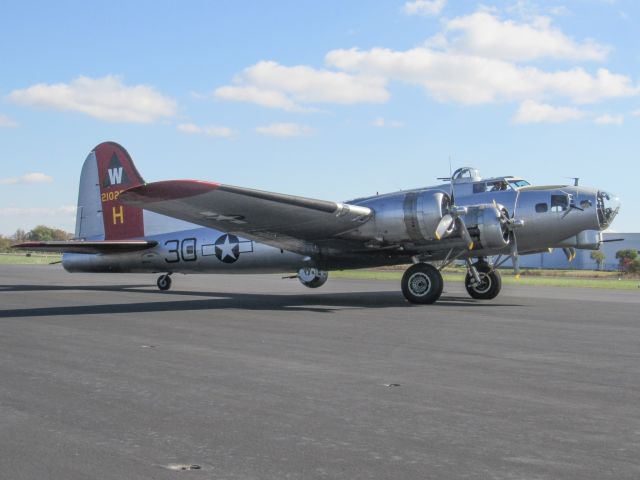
{"points": [[331, 100]]}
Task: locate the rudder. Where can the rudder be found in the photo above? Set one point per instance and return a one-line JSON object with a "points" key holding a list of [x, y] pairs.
{"points": [[107, 172]]}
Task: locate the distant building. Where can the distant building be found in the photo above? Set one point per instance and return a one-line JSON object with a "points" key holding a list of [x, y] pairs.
{"points": [[583, 261]]}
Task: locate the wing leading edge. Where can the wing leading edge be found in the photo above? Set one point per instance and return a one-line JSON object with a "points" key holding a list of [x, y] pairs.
{"points": [[285, 221]]}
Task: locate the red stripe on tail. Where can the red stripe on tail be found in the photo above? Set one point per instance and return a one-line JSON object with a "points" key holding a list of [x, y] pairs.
{"points": [[116, 173]]}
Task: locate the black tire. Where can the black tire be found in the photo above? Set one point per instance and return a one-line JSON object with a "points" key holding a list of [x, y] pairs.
{"points": [[490, 285], [422, 283], [164, 282]]}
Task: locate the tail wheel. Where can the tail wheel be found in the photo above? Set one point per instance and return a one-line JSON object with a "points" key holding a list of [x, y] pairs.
{"points": [[489, 286], [164, 282], [422, 283]]}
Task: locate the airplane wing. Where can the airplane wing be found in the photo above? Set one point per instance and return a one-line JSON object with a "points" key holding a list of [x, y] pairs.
{"points": [[284, 221], [79, 246]]}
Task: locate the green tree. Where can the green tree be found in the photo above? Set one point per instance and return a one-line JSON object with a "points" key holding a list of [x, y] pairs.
{"points": [[5, 243], [598, 257], [628, 260], [42, 233], [20, 235]]}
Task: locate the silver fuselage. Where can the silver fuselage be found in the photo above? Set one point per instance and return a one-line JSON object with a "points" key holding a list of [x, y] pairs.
{"points": [[400, 230]]}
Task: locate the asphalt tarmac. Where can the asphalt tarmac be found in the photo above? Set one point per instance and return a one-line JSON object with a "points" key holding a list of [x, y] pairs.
{"points": [[255, 377]]}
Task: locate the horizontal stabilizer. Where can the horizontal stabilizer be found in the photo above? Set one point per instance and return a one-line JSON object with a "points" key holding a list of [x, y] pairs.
{"points": [[79, 246]]}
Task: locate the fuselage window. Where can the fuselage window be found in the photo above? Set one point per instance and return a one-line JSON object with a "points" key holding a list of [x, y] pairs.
{"points": [[559, 203], [541, 207], [479, 188]]}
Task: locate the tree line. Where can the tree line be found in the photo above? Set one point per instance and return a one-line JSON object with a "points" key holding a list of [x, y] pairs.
{"points": [[41, 233]]}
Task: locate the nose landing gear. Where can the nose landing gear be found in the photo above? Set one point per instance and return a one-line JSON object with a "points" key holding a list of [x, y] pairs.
{"points": [[164, 281]]}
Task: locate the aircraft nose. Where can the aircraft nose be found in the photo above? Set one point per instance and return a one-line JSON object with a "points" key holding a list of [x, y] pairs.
{"points": [[608, 206]]}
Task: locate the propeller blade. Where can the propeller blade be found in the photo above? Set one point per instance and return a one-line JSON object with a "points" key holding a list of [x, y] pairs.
{"points": [[451, 191], [515, 204], [514, 255], [464, 233], [444, 227], [570, 253]]}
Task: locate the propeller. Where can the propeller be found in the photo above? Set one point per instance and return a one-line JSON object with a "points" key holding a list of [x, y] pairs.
{"points": [[512, 224], [452, 220], [570, 253]]}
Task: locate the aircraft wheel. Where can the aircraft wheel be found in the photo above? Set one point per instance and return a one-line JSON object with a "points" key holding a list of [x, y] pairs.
{"points": [[164, 282], [489, 286], [422, 283]]}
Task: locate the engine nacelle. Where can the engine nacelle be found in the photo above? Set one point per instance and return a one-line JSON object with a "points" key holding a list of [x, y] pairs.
{"points": [[485, 225], [312, 277], [405, 217]]}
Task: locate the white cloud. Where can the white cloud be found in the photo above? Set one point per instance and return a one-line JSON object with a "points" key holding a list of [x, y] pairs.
{"points": [[534, 112], [209, 130], [7, 122], [29, 211], [473, 79], [104, 98], [63, 217], [251, 94], [424, 7], [560, 11], [608, 119], [381, 123], [35, 177], [284, 130], [273, 85], [476, 59], [486, 35], [636, 113]]}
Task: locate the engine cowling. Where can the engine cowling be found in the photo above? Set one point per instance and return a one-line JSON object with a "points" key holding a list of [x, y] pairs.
{"points": [[312, 277], [404, 217], [485, 225]]}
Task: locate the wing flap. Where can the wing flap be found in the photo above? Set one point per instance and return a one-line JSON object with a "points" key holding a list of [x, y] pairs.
{"points": [[285, 221], [79, 246]]}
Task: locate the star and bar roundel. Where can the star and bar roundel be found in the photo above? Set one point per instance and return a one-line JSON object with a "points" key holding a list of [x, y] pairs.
{"points": [[227, 248]]}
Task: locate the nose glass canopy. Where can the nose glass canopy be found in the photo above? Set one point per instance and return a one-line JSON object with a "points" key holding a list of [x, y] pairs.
{"points": [[608, 206]]}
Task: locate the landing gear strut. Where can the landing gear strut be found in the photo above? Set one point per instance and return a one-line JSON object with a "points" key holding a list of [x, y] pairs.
{"points": [[164, 281], [486, 284], [422, 283]]}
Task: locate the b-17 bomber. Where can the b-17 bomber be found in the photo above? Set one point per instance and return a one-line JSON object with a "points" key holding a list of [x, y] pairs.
{"points": [[189, 226]]}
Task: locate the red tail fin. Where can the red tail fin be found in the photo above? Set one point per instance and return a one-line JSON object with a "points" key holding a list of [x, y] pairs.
{"points": [[116, 172]]}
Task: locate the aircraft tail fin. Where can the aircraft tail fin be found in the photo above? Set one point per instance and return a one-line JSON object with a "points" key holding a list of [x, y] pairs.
{"points": [[107, 172]]}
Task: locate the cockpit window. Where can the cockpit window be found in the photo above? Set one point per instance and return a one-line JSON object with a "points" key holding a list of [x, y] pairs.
{"points": [[559, 203], [497, 186], [519, 183]]}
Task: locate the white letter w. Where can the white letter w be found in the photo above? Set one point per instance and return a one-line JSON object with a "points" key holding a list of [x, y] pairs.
{"points": [[115, 175]]}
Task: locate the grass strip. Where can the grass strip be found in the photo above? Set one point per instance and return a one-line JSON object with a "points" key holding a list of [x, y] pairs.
{"points": [[23, 259], [507, 279]]}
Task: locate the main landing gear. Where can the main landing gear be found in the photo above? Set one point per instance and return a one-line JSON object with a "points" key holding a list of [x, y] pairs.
{"points": [[486, 285], [422, 282], [164, 281]]}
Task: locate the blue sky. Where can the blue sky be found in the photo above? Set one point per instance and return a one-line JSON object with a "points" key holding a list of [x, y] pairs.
{"points": [[331, 100]]}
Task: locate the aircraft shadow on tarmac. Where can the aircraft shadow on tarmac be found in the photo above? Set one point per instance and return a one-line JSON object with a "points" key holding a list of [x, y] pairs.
{"points": [[318, 302]]}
